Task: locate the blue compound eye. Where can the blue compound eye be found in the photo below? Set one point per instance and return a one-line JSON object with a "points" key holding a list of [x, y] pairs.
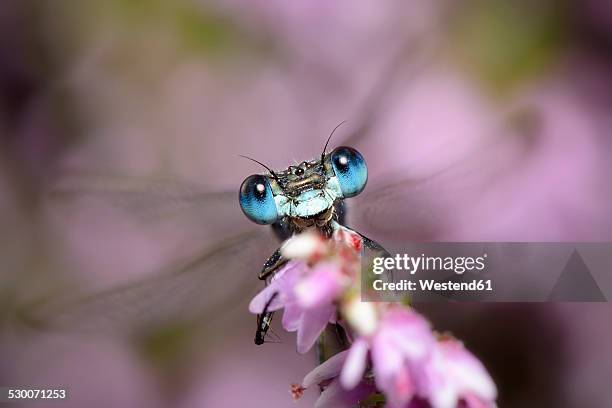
{"points": [[350, 169], [257, 201]]}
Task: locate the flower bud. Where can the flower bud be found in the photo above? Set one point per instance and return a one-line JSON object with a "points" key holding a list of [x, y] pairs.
{"points": [[362, 316], [302, 246]]}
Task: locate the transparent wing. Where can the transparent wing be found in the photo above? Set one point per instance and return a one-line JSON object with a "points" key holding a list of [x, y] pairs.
{"points": [[148, 203], [117, 224], [420, 209], [202, 289]]}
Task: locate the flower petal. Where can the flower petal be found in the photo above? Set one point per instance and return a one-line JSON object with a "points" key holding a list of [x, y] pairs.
{"points": [[258, 303], [282, 283], [468, 373], [329, 369], [311, 325], [444, 396], [472, 401], [409, 332], [361, 316], [321, 286], [355, 365], [334, 396], [292, 317], [302, 246], [386, 358], [454, 374], [399, 389], [287, 277]]}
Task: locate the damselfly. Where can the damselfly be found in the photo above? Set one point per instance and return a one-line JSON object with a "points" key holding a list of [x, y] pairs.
{"points": [[220, 248], [307, 196], [399, 208]]}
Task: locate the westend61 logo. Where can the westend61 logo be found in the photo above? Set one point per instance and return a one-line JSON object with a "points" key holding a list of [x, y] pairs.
{"points": [[413, 264]]}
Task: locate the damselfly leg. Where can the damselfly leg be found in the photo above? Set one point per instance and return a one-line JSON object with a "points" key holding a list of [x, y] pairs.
{"points": [[264, 320]]}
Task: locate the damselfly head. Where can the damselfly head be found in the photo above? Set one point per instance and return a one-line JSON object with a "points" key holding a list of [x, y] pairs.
{"points": [[308, 190]]}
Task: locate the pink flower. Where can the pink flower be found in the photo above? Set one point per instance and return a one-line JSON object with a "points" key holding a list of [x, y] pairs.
{"points": [[400, 349], [394, 351], [334, 395], [454, 375], [321, 286], [306, 295]]}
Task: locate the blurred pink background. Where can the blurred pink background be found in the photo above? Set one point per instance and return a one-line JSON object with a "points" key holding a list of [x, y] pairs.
{"points": [[495, 114]]}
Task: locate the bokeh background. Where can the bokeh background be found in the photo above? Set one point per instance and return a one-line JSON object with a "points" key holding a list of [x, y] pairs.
{"points": [[481, 120]]}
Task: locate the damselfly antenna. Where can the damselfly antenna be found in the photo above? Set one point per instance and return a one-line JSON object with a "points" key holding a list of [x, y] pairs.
{"points": [[329, 138], [261, 164]]}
